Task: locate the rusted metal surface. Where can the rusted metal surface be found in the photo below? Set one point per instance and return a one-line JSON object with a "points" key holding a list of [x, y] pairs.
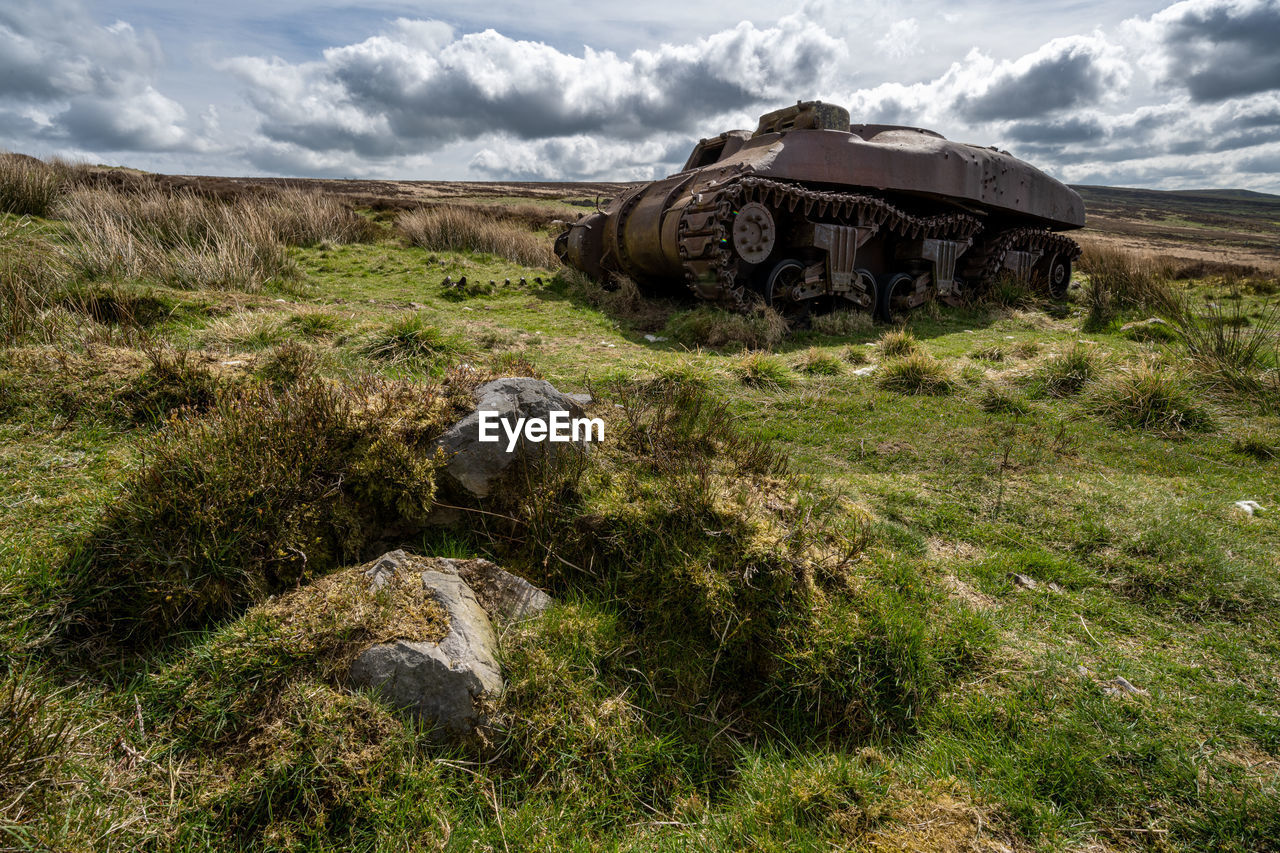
{"points": [[860, 209]]}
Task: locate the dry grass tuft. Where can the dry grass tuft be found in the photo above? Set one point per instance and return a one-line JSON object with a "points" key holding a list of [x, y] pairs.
{"points": [[916, 373], [840, 324], [449, 228], [33, 279], [1151, 397], [301, 218], [1119, 280], [29, 187], [181, 240], [897, 343], [1066, 374], [764, 370], [714, 327], [817, 362]]}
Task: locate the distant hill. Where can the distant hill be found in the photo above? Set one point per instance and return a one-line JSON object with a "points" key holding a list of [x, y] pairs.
{"points": [[1247, 195], [1242, 223], [1217, 208]]}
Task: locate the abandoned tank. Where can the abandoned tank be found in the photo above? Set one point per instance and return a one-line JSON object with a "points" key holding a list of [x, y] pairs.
{"points": [[811, 212]]}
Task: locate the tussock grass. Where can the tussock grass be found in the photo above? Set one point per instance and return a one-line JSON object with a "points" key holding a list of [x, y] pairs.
{"points": [[916, 373], [411, 338], [763, 370], [992, 354], [1232, 351], [999, 399], [619, 296], [470, 229], [841, 324], [1120, 280], [706, 326], [1260, 447], [300, 218], [1067, 373], [30, 187], [1151, 397], [181, 240], [897, 343], [1008, 291], [817, 362], [33, 278], [315, 324], [854, 355], [267, 488]]}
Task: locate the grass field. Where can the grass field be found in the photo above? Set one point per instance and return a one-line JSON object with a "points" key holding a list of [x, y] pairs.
{"points": [[978, 583]]}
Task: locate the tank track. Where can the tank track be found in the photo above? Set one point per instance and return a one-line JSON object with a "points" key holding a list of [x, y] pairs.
{"points": [[706, 249], [984, 262]]}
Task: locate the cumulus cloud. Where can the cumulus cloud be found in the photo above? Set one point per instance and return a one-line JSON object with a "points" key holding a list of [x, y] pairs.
{"points": [[1065, 73], [419, 85], [83, 84], [584, 157], [1219, 49], [1195, 86], [901, 40]]}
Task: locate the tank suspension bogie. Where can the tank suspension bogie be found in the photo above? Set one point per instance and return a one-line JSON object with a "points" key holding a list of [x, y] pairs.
{"points": [[728, 234]]}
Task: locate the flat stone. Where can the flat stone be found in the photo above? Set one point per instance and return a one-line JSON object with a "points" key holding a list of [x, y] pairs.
{"points": [[448, 683]]}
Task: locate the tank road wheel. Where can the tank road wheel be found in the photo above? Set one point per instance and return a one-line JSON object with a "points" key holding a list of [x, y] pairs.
{"points": [[754, 233], [1058, 275], [786, 276], [894, 298]]}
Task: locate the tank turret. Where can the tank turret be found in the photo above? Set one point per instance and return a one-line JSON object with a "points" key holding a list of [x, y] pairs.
{"points": [[809, 211]]}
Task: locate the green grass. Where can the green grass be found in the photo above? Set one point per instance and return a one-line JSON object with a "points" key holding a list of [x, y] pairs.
{"points": [[1153, 397], [1065, 374], [763, 370], [785, 618], [916, 373]]}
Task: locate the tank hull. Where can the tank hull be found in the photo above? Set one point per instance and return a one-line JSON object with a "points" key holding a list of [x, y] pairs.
{"points": [[861, 203]]}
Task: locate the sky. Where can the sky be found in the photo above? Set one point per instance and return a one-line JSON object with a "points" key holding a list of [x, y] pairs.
{"points": [[1118, 92]]}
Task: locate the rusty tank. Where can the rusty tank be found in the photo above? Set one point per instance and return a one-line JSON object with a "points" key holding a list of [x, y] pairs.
{"points": [[809, 212]]}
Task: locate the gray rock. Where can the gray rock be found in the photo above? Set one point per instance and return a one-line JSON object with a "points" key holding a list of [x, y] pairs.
{"points": [[450, 682], [506, 597], [383, 569], [476, 467], [1120, 686], [1023, 581]]}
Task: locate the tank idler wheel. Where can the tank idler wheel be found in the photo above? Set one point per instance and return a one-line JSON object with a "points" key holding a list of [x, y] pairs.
{"points": [[1058, 276], [894, 297]]}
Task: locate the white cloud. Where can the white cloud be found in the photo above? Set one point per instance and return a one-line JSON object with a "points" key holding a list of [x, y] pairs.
{"points": [[417, 85], [83, 84], [1194, 86], [901, 40]]}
